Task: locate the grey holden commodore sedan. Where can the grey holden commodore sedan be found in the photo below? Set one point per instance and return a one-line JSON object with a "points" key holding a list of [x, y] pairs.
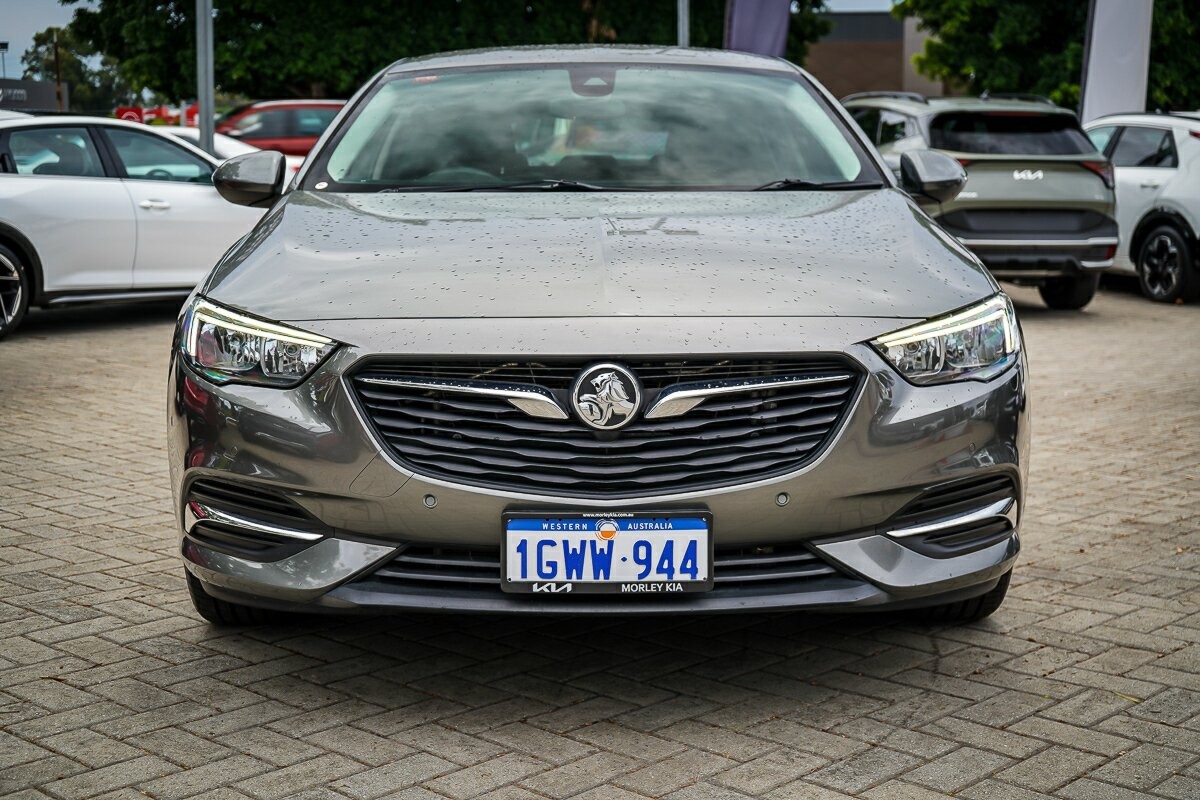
{"points": [[596, 330]]}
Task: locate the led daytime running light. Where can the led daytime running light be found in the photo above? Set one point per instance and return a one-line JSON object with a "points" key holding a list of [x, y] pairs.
{"points": [[204, 310], [963, 320], [228, 347]]}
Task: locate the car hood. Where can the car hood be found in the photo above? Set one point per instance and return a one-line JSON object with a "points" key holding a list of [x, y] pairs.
{"points": [[320, 256]]}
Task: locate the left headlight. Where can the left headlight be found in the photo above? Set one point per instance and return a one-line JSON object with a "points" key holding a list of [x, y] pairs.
{"points": [[974, 344], [228, 347]]}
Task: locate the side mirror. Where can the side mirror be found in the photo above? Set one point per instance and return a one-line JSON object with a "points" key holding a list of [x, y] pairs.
{"points": [[932, 174], [253, 179]]}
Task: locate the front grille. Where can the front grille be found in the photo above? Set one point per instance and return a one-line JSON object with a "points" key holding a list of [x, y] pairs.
{"points": [[485, 441], [464, 568], [952, 499], [769, 564], [559, 374], [430, 565]]}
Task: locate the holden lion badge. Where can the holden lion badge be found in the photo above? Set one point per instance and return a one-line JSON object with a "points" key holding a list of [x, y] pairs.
{"points": [[606, 396]]}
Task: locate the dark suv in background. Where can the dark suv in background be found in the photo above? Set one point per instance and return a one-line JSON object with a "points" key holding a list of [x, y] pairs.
{"points": [[1039, 206]]}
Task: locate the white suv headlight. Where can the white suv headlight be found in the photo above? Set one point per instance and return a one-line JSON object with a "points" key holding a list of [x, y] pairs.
{"points": [[228, 347], [974, 344]]}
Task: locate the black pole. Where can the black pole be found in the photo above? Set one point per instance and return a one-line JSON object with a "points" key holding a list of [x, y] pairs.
{"points": [[57, 73]]}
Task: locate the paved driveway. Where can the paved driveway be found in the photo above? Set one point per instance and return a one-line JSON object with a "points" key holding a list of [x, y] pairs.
{"points": [[1085, 685]]}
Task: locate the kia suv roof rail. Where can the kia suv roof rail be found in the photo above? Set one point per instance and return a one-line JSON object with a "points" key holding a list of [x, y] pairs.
{"points": [[914, 96]]}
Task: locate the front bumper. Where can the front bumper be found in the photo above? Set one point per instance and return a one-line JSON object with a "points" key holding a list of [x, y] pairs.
{"points": [[311, 445]]}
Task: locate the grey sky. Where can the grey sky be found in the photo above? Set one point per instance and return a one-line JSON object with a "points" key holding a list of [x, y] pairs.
{"points": [[20, 20]]}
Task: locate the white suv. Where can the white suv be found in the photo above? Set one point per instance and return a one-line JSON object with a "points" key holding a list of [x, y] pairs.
{"points": [[1157, 162]]}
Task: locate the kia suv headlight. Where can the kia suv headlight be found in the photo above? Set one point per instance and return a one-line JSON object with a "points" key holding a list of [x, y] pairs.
{"points": [[228, 347], [974, 344]]}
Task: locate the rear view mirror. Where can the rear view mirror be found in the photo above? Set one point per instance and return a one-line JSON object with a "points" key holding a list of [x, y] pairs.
{"points": [[253, 179], [932, 174]]}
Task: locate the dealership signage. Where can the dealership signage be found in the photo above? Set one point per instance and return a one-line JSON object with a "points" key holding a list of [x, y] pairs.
{"points": [[30, 95], [156, 114]]}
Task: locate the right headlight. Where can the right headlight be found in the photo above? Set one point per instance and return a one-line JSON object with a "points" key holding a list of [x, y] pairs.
{"points": [[974, 344], [226, 346]]}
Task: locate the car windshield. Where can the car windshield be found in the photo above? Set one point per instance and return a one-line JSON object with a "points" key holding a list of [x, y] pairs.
{"points": [[588, 127], [1009, 133]]}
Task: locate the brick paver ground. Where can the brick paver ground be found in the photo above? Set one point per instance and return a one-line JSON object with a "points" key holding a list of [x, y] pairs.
{"points": [[1085, 686]]}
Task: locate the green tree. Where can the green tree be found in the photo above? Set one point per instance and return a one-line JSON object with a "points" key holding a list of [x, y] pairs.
{"points": [[96, 89], [313, 48], [1037, 46], [1175, 56]]}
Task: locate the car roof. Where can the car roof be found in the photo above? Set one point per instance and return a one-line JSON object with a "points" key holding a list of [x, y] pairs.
{"points": [[298, 103], [66, 120], [188, 132], [916, 106], [1175, 119], [574, 54]]}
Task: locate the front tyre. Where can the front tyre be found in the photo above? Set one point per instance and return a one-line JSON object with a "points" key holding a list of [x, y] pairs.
{"points": [[1165, 268], [222, 612], [972, 610], [1070, 292], [15, 288]]}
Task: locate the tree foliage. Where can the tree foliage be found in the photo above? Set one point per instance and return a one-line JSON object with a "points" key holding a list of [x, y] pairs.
{"points": [[91, 88], [1037, 46], [1175, 56], [313, 48]]}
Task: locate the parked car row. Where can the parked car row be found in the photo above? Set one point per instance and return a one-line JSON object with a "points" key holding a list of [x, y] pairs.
{"points": [[1043, 204], [1157, 162], [104, 209]]}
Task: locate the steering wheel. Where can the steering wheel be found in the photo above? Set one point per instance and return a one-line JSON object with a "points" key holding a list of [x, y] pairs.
{"points": [[159, 173]]}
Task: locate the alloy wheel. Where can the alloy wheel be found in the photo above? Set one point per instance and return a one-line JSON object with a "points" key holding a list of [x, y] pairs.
{"points": [[1161, 265], [11, 287]]}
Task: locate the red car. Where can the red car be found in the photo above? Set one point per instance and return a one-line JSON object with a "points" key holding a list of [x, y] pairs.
{"points": [[290, 126]]}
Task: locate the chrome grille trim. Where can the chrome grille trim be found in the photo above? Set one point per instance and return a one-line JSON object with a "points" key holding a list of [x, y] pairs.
{"points": [[683, 398], [533, 400]]}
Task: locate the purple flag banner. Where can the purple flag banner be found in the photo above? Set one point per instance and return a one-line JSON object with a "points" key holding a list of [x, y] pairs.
{"points": [[757, 26]]}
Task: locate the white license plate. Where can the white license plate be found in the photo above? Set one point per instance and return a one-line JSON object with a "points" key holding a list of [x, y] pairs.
{"points": [[617, 553]]}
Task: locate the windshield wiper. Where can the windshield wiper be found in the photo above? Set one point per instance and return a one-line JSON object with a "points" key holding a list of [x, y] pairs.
{"points": [[794, 184], [543, 185]]}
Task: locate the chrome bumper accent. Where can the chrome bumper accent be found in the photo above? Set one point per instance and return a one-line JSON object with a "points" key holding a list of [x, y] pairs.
{"points": [[298, 578], [904, 572], [195, 512], [1095, 241], [1001, 509]]}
